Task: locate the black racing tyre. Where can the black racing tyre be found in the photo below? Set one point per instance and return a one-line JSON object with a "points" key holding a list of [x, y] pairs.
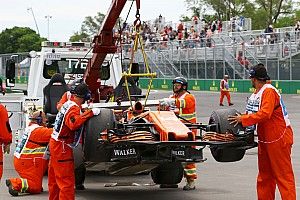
{"points": [[94, 151], [80, 174], [227, 154], [167, 173], [221, 153], [79, 165], [220, 118]]}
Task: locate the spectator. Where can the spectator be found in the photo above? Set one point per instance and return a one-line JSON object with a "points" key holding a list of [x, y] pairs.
{"points": [[252, 41], [213, 27], [220, 26], [287, 37], [269, 29], [208, 38], [195, 19], [245, 62], [268, 32], [240, 56], [202, 38], [180, 27], [233, 24], [297, 28]]}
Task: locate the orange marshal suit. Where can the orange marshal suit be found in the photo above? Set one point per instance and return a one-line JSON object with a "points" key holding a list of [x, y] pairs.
{"points": [[5, 134], [29, 162], [275, 139], [186, 104]]}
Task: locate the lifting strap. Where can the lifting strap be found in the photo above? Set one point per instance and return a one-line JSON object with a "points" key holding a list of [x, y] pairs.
{"points": [[138, 41]]}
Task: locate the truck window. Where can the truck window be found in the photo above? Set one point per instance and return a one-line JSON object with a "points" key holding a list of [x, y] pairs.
{"points": [[67, 67], [50, 68]]}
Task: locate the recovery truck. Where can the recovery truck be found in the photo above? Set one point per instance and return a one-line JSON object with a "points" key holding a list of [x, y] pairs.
{"points": [[67, 58], [130, 137]]}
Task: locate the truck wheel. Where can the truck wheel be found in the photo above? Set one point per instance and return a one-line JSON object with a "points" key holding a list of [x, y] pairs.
{"points": [[221, 153], [167, 173], [94, 151]]}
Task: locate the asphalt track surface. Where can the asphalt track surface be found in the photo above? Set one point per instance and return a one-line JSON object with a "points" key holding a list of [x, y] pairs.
{"points": [[217, 181]]}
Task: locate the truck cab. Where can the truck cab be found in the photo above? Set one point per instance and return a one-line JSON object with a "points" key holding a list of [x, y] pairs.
{"points": [[69, 59]]}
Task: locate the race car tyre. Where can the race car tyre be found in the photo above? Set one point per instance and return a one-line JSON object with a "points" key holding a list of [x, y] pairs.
{"points": [[94, 149], [80, 176], [220, 118], [79, 165], [225, 153], [167, 173]]}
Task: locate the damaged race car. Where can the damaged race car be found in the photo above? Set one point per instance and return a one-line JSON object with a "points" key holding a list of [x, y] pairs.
{"points": [[150, 140]]}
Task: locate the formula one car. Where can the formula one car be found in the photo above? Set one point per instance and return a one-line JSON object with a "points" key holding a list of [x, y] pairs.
{"points": [[141, 140]]}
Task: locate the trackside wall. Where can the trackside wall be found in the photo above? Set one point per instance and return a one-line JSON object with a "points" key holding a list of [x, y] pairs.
{"points": [[243, 86]]}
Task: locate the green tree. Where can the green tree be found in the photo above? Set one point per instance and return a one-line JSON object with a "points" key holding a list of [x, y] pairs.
{"points": [[262, 12], [195, 6], [79, 37], [91, 25], [224, 9], [89, 28], [184, 18], [285, 21], [288, 20], [19, 39], [275, 9]]}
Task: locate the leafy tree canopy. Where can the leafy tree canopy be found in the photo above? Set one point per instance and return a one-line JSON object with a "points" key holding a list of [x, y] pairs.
{"points": [[262, 12], [19, 39], [89, 28]]}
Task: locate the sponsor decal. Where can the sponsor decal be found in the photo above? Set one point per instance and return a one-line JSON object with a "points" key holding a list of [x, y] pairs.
{"points": [[213, 88], [251, 89], [31, 99], [233, 89], [178, 152], [196, 87], [125, 152], [53, 56]]}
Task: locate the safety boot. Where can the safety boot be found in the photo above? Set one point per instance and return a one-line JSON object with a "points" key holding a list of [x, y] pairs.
{"points": [[221, 104], [190, 184], [10, 188], [231, 104]]}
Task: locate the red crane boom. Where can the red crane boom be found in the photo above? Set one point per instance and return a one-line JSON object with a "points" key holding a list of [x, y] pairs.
{"points": [[104, 43]]}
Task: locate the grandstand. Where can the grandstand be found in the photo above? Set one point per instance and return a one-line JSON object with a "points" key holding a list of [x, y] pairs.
{"points": [[211, 58]]}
